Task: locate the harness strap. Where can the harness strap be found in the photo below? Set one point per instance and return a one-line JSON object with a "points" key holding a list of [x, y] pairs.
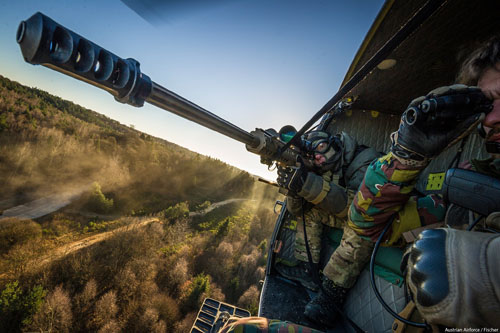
{"points": [[410, 312], [322, 194]]}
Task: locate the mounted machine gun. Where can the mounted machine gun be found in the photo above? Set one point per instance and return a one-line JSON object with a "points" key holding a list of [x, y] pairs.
{"points": [[45, 42]]}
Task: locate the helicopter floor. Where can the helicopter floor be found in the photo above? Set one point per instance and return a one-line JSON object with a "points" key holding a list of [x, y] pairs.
{"points": [[284, 300]]}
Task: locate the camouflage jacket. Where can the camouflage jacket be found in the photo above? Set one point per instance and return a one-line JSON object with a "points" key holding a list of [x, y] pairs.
{"points": [[333, 192], [264, 325], [387, 190]]}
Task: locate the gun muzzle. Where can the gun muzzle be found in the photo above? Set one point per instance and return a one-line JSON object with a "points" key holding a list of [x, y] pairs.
{"points": [[46, 42]]}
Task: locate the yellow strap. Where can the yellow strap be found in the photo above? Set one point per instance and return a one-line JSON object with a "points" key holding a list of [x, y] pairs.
{"points": [[409, 312], [322, 194], [328, 176], [408, 220], [412, 235]]}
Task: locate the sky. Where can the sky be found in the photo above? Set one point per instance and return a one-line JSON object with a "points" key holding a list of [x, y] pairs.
{"points": [[255, 63]]}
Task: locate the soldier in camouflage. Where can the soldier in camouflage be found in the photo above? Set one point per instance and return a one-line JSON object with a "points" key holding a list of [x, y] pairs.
{"points": [[465, 297], [320, 196], [386, 191], [453, 274]]}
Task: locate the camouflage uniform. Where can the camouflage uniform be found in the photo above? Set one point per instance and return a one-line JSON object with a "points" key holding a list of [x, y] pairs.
{"points": [[264, 325], [315, 218], [385, 183], [331, 210], [386, 190], [463, 264]]}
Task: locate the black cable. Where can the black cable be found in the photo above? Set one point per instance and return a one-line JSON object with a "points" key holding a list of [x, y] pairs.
{"points": [[316, 275], [314, 270], [491, 230], [372, 281], [411, 25], [476, 221]]}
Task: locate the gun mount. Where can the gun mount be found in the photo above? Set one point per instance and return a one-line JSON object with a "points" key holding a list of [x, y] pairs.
{"points": [[45, 42]]}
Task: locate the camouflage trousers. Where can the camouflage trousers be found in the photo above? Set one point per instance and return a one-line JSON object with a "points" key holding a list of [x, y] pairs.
{"points": [[347, 261], [314, 221]]}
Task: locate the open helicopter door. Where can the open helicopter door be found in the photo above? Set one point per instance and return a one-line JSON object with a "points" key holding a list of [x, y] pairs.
{"points": [[427, 58]]}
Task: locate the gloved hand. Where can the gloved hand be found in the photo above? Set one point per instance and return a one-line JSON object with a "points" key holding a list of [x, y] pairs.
{"points": [[292, 178], [416, 144], [454, 277]]}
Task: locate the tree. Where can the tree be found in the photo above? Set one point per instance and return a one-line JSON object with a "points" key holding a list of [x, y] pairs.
{"points": [[173, 213], [223, 230], [17, 306], [97, 201], [105, 310], [55, 315], [250, 299], [199, 285], [16, 232]]}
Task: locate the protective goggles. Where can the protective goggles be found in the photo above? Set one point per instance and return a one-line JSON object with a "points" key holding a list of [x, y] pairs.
{"points": [[319, 146]]}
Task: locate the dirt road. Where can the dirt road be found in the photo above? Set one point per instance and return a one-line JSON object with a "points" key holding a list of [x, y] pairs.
{"points": [[83, 243], [66, 249], [141, 222], [135, 222]]}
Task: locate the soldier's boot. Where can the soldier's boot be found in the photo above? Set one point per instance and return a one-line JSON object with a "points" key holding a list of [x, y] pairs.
{"points": [[322, 309], [301, 272]]}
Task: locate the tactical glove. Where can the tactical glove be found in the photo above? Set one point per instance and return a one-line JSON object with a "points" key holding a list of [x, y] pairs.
{"points": [[434, 122], [454, 277], [292, 178]]}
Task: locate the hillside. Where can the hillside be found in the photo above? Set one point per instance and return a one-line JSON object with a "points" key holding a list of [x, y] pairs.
{"points": [[47, 142], [138, 276]]}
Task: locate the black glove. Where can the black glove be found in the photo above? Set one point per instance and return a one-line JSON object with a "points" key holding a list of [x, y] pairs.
{"points": [[427, 127], [292, 178], [454, 277]]}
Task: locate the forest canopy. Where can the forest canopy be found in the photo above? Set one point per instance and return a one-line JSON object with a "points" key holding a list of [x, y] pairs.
{"points": [[155, 248]]}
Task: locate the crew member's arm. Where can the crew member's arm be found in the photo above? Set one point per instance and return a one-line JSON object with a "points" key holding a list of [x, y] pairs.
{"points": [[325, 195], [318, 192], [385, 191], [389, 180], [454, 277]]}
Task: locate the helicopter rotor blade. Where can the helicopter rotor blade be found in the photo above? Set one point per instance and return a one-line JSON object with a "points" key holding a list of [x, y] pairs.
{"points": [[159, 12]]}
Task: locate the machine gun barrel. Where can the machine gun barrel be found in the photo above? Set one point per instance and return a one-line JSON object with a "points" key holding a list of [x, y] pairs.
{"points": [[45, 42], [170, 101]]}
